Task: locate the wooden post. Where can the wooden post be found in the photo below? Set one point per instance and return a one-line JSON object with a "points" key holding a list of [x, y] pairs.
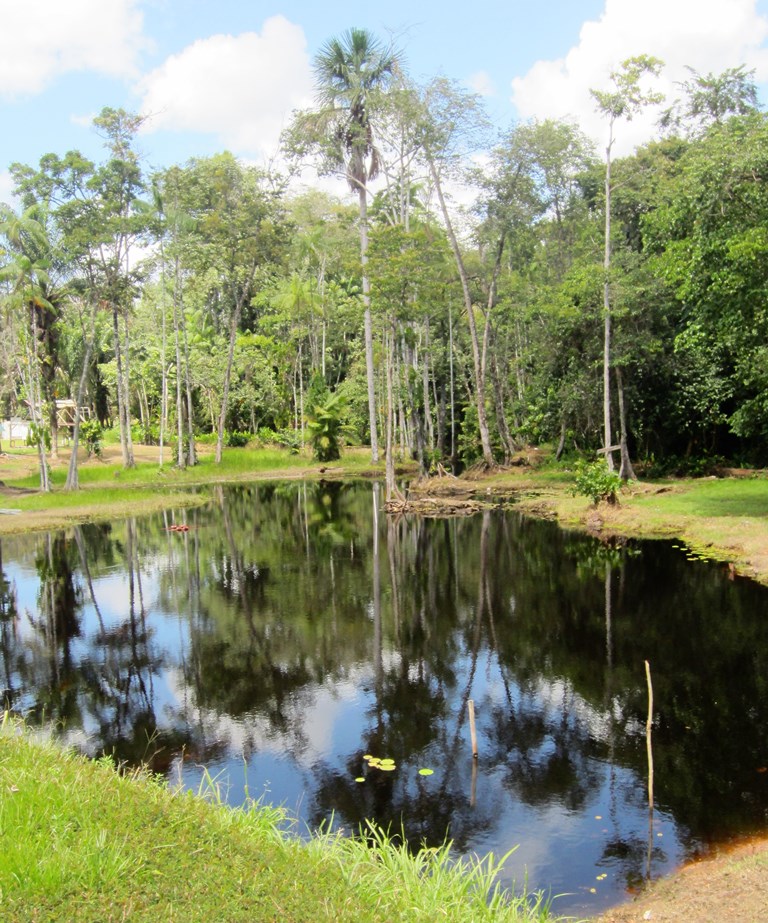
{"points": [[471, 707], [648, 727]]}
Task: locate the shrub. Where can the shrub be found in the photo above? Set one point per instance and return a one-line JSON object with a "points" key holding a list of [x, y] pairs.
{"points": [[289, 439], [325, 427], [90, 433], [236, 439], [597, 483]]}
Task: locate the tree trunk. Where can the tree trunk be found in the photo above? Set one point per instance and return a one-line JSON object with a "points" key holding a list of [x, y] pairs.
{"points": [[126, 379], [191, 448], [626, 471], [118, 389], [163, 345], [370, 371], [180, 457], [73, 479], [430, 429], [607, 439], [479, 370], [227, 378], [561, 442], [235, 322], [501, 417], [35, 404]]}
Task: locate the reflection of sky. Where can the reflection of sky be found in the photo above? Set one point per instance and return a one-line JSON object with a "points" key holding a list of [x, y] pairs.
{"points": [[567, 849]]}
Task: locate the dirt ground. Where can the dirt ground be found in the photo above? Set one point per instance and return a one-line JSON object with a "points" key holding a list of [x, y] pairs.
{"points": [[728, 888]]}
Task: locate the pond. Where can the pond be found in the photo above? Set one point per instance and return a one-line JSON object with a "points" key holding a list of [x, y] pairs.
{"points": [[275, 637]]}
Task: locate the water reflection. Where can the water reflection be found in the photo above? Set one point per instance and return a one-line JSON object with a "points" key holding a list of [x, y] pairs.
{"points": [[292, 629]]}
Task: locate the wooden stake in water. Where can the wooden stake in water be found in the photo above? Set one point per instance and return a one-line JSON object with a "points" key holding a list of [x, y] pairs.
{"points": [[471, 707], [648, 726]]}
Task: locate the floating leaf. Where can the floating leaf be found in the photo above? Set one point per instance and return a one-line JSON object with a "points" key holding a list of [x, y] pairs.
{"points": [[360, 779], [593, 890], [387, 761], [367, 756], [426, 772], [601, 877], [387, 768], [598, 816]]}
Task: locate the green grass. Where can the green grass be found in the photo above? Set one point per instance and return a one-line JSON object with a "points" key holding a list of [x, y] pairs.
{"points": [[110, 486], [78, 841], [716, 497]]}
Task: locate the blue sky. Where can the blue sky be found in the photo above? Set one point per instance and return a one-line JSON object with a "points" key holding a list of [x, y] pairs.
{"points": [[215, 74]]}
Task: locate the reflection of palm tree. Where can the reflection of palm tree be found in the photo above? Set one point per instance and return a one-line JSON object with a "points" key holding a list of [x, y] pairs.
{"points": [[8, 616], [350, 70]]}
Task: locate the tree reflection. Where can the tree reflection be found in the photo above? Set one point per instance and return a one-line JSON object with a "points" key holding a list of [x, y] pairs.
{"points": [[8, 636], [296, 618]]}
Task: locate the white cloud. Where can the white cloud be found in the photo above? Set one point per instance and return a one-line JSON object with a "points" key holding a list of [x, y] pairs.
{"points": [[41, 39], [708, 35], [6, 188], [241, 88], [482, 84]]}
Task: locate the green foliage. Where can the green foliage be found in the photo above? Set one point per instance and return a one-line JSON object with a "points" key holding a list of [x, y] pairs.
{"points": [[325, 426], [38, 434], [97, 845], [596, 482], [691, 466], [91, 433], [237, 439], [290, 439]]}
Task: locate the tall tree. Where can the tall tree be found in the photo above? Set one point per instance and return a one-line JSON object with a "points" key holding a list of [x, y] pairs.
{"points": [[101, 217], [711, 99], [237, 236], [624, 100], [28, 263], [450, 122], [351, 72]]}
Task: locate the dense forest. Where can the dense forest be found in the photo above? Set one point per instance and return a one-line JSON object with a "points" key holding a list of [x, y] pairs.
{"points": [[471, 295]]}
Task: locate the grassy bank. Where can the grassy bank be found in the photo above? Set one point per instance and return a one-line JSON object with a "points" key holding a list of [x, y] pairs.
{"points": [[721, 518], [109, 491], [78, 841]]}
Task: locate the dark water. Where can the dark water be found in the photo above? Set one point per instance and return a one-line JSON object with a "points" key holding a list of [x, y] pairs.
{"points": [[292, 630]]}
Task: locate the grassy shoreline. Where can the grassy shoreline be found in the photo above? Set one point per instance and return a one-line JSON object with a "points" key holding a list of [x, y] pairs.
{"points": [[78, 841], [724, 519]]}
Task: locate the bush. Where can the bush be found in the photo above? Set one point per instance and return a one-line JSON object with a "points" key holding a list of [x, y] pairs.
{"points": [[236, 439], [146, 435], [324, 423], [289, 439], [267, 436], [90, 433], [597, 483]]}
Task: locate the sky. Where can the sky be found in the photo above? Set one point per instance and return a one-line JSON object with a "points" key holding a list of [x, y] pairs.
{"points": [[211, 75]]}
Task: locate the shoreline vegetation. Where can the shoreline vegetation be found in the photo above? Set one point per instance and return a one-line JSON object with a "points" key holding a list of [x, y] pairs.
{"points": [[92, 858], [80, 841], [723, 518]]}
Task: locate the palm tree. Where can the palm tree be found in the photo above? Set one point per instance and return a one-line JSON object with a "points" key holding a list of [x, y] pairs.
{"points": [[25, 265], [351, 70]]}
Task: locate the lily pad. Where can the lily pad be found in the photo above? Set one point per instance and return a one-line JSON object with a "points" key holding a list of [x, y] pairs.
{"points": [[426, 772]]}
